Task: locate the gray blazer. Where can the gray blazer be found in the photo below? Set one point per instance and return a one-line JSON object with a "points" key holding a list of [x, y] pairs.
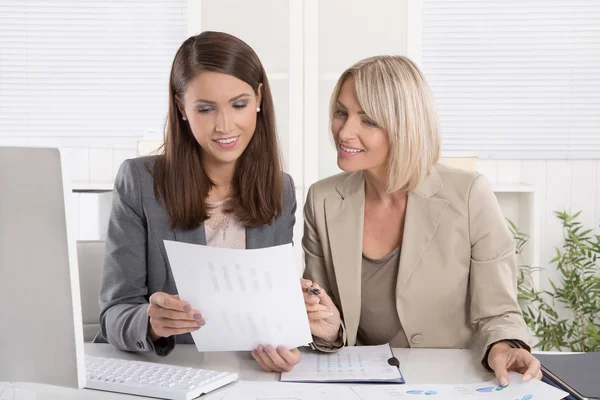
{"points": [[135, 261]]}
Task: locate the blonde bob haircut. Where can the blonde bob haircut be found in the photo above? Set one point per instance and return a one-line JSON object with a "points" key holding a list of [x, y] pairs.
{"points": [[393, 92]]}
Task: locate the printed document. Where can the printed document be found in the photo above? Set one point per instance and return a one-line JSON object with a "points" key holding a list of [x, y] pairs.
{"points": [[516, 390], [247, 297], [255, 390]]}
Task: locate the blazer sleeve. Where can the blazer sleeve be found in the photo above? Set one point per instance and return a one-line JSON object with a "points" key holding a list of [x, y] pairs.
{"points": [[495, 312], [123, 288], [316, 271]]}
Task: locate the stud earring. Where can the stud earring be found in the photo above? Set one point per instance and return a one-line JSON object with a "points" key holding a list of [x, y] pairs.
{"points": [[257, 109], [184, 118]]}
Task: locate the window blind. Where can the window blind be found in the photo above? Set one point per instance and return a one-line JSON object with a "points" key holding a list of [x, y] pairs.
{"points": [[86, 72], [515, 78]]}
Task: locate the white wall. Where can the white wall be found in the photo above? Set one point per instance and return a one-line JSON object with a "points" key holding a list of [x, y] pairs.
{"points": [[95, 168], [355, 34]]}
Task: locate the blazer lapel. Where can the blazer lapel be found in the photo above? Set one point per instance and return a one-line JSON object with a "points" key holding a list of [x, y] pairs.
{"points": [[423, 215], [193, 236], [345, 219]]}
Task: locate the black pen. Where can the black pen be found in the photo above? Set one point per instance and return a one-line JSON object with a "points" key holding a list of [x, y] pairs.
{"points": [[313, 290]]}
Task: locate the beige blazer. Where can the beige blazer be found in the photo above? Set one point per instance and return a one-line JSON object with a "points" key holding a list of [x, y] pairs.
{"points": [[457, 279]]}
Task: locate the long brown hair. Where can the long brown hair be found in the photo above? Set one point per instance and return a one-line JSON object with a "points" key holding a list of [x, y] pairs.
{"points": [[180, 180]]}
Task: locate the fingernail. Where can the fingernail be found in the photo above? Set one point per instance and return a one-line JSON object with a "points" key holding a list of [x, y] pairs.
{"points": [[503, 381], [197, 316], [280, 349], [261, 349], [186, 308], [323, 308], [331, 314], [307, 284], [526, 378], [269, 349]]}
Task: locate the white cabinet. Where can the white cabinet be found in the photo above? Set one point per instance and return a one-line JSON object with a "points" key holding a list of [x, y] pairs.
{"points": [[520, 204]]}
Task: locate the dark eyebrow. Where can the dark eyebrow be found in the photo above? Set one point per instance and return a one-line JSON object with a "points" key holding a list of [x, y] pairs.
{"points": [[345, 108], [239, 97], [230, 100]]}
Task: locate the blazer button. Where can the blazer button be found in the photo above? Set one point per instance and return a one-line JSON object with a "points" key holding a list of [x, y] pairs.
{"points": [[416, 339]]}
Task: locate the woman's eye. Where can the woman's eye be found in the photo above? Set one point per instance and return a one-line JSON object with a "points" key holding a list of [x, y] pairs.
{"points": [[340, 114], [240, 105], [205, 110], [370, 122]]}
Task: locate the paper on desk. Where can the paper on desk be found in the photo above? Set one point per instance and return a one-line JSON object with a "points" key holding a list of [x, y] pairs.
{"points": [[349, 364], [244, 390], [247, 297], [516, 390]]}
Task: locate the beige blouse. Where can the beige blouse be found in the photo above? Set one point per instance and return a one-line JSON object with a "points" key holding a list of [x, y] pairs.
{"points": [[224, 229]]}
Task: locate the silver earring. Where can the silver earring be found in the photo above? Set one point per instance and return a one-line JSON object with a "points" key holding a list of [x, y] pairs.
{"points": [[257, 109], [184, 118]]}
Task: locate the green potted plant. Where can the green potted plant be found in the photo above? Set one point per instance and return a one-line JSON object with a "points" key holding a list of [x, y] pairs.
{"points": [[576, 293]]}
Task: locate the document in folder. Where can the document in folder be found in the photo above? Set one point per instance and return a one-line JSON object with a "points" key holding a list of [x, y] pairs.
{"points": [[247, 297], [359, 364]]}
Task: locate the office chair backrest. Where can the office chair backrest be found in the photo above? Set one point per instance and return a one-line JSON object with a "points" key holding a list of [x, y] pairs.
{"points": [[90, 256]]}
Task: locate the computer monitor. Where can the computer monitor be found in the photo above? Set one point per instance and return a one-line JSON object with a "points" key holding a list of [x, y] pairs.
{"points": [[41, 334]]}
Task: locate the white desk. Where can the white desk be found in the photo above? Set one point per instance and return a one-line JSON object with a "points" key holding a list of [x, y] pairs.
{"points": [[417, 365]]}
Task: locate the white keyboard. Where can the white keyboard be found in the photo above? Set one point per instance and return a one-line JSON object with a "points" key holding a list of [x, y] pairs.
{"points": [[152, 379]]}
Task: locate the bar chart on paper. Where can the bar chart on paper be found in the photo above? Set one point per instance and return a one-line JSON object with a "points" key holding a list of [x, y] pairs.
{"points": [[235, 279], [247, 297], [516, 390]]}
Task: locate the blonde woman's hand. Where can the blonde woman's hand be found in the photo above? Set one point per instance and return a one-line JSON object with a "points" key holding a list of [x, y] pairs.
{"points": [[323, 315], [503, 358]]}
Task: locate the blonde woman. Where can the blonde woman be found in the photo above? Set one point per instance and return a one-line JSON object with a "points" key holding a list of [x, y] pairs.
{"points": [[407, 251]]}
